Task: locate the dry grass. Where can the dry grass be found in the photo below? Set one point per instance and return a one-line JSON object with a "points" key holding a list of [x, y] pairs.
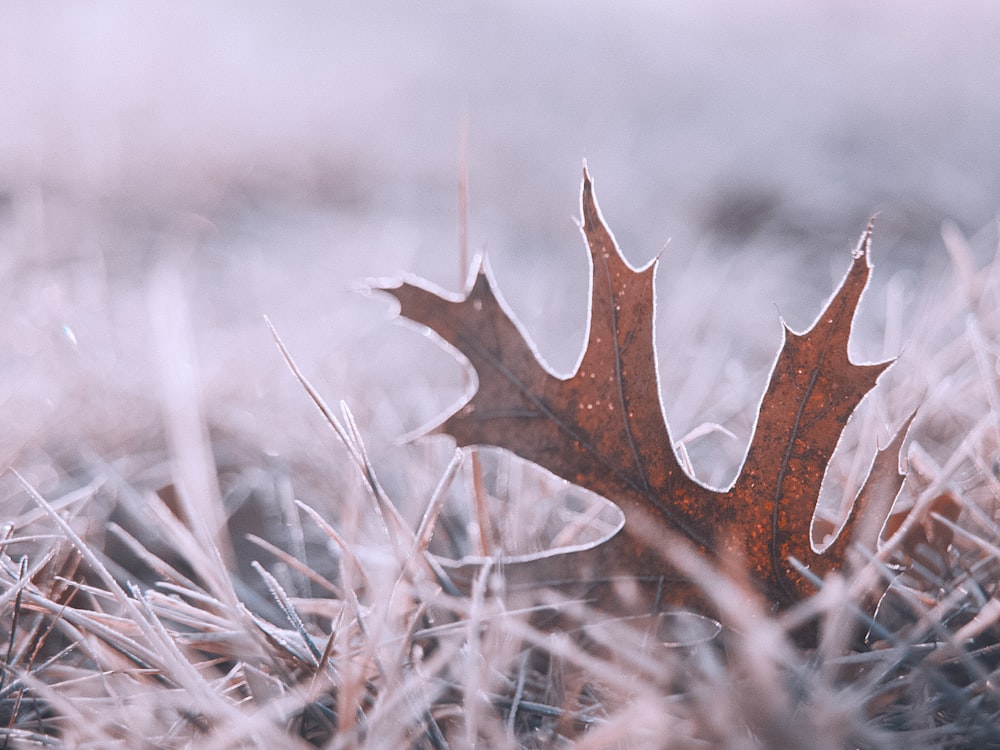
{"points": [[200, 593], [190, 557]]}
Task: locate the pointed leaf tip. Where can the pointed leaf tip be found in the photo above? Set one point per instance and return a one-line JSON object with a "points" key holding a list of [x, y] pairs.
{"points": [[864, 244], [478, 273], [591, 213]]}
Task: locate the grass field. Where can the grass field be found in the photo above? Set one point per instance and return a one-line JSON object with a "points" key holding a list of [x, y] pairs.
{"points": [[191, 557]]}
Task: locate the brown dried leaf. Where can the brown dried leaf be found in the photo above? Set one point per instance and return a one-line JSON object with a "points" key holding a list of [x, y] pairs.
{"points": [[603, 427]]}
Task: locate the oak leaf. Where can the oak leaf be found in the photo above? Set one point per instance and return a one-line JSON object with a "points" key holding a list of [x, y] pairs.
{"points": [[603, 428]]}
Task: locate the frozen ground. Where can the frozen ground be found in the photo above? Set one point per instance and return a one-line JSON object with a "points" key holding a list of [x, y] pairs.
{"points": [[215, 163]]}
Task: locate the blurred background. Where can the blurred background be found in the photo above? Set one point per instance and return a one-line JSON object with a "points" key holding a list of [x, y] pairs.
{"points": [[171, 172]]}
